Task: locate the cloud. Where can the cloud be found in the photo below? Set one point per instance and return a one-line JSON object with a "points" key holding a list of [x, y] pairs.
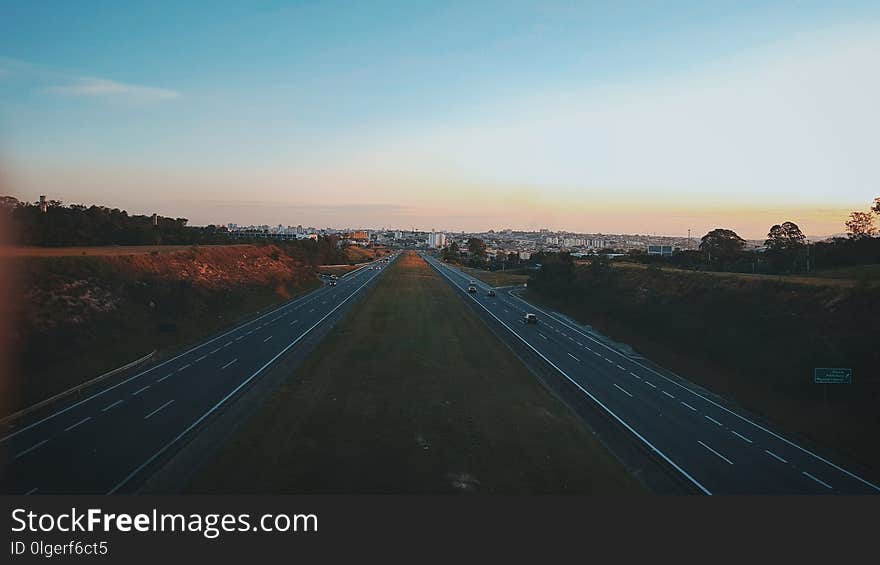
{"points": [[109, 89]]}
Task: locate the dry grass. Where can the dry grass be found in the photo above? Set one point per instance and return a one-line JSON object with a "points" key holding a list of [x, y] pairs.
{"points": [[103, 251]]}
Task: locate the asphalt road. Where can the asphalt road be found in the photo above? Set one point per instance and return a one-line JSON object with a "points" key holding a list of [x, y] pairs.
{"points": [[716, 449], [108, 441]]}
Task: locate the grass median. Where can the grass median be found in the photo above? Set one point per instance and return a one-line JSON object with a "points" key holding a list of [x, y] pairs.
{"points": [[412, 393]]}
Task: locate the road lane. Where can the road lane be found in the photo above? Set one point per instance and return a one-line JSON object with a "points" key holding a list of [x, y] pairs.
{"points": [[673, 418], [103, 442]]}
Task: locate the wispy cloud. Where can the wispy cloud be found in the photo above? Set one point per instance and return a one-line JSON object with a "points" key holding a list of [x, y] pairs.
{"points": [[104, 88]]}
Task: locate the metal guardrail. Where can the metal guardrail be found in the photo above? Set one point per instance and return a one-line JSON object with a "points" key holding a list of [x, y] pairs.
{"points": [[77, 388]]}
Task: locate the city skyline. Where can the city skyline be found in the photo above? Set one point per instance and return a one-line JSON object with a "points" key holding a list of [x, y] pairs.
{"points": [[580, 118]]}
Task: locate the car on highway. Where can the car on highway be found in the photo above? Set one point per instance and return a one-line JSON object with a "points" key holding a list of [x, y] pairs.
{"points": [[491, 292], [472, 289], [530, 318], [332, 283]]}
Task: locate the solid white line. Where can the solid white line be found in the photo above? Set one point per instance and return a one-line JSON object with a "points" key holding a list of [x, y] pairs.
{"points": [[157, 409], [109, 406], [145, 371], [228, 364], [709, 400], [165, 377], [29, 449], [573, 357], [820, 481], [83, 421], [593, 397], [667, 394], [620, 389], [202, 358], [267, 339], [689, 406], [711, 419], [774, 456], [140, 390], [232, 393], [32, 491], [715, 452], [184, 367], [740, 436]]}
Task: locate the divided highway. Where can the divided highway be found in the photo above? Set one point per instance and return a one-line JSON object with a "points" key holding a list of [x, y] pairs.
{"points": [[104, 442], [716, 449]]}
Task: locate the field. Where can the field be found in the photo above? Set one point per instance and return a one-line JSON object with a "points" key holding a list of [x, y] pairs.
{"points": [[497, 278], [412, 393]]}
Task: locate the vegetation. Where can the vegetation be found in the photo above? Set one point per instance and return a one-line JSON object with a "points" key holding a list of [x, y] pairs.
{"points": [[412, 393]]}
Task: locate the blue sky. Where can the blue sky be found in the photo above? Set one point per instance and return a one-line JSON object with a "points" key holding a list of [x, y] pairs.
{"points": [[594, 116]]}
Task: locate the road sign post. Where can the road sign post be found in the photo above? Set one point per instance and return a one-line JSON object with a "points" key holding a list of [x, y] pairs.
{"points": [[831, 376]]}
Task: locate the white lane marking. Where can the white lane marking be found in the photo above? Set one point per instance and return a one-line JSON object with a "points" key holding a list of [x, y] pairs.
{"points": [[227, 344], [228, 364], [542, 335], [621, 367], [635, 375], [740, 436], [596, 353], [293, 322], [573, 357], [267, 339], [243, 383], [820, 481], [216, 350], [715, 452], [579, 343], [609, 360], [711, 419], [774, 456], [83, 421], [622, 390], [29, 449], [312, 310], [667, 394], [159, 408], [239, 337], [145, 371], [202, 358], [650, 384], [709, 400], [32, 491], [632, 430], [163, 378], [184, 367], [140, 390], [250, 332], [109, 406], [689, 406]]}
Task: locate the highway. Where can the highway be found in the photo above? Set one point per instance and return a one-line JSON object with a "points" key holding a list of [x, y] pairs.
{"points": [[108, 441], [714, 448]]}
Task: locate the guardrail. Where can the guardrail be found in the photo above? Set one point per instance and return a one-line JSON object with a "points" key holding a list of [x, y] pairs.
{"points": [[77, 388]]}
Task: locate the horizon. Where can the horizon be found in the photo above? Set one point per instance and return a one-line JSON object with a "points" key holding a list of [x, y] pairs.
{"points": [[584, 119]]}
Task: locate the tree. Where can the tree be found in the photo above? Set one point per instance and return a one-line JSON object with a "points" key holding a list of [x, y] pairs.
{"points": [[722, 244], [476, 248], [876, 207], [785, 237], [860, 225], [451, 253]]}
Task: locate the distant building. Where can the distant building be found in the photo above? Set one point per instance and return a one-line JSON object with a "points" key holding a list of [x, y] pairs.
{"points": [[436, 239], [663, 250], [44, 204]]}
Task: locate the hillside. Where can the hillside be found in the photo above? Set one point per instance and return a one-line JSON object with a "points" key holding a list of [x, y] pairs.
{"points": [[77, 317]]}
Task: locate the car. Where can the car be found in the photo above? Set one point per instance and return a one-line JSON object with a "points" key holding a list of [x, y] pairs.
{"points": [[530, 319], [332, 283], [472, 289], [491, 292]]}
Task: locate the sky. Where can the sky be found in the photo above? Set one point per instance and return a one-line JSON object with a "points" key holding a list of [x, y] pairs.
{"points": [[613, 117]]}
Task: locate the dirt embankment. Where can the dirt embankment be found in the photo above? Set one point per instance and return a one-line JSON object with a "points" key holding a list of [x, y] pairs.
{"points": [[77, 317]]}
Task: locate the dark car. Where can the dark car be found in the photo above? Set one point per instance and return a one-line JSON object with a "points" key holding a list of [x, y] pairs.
{"points": [[530, 319], [491, 292], [472, 289]]}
